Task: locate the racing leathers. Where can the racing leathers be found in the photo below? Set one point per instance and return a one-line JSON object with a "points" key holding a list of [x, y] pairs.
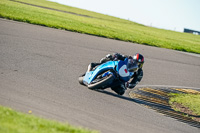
{"points": [[120, 88], [138, 75]]}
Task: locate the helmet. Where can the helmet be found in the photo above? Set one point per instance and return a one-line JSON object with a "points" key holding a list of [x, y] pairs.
{"points": [[139, 59], [132, 66]]}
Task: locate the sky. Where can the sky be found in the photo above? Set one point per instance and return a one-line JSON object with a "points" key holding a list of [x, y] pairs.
{"points": [[165, 14]]}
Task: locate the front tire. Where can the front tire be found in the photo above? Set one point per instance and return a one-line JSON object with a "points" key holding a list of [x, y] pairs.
{"points": [[80, 80], [102, 84]]}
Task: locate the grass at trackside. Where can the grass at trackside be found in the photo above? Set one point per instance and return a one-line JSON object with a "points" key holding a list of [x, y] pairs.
{"points": [[97, 24], [192, 101], [15, 122]]}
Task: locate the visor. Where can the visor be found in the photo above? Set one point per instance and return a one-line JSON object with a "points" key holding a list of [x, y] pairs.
{"points": [[132, 66]]}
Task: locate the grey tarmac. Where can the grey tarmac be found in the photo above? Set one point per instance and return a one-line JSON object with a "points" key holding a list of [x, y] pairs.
{"points": [[39, 69]]}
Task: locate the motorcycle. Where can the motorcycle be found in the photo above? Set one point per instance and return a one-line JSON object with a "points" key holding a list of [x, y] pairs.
{"points": [[109, 74]]}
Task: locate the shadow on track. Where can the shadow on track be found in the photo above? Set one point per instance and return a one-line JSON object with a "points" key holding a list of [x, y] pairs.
{"points": [[159, 107]]}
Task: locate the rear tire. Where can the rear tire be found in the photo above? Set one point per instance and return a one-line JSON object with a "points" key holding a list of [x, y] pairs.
{"points": [[103, 83]]}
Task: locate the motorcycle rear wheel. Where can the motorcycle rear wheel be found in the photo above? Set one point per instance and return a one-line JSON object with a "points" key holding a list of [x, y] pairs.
{"points": [[102, 84]]}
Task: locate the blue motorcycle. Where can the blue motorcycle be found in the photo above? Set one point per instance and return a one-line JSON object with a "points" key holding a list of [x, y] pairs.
{"points": [[110, 74]]}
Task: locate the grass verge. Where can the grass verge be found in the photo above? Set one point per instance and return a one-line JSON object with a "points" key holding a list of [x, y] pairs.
{"points": [[87, 22], [16, 122], [186, 103]]}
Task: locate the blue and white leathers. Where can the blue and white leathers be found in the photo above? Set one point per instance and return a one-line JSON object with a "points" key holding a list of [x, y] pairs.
{"points": [[117, 68]]}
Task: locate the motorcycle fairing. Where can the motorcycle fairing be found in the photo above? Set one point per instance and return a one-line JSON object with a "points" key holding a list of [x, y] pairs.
{"points": [[90, 76], [121, 69]]}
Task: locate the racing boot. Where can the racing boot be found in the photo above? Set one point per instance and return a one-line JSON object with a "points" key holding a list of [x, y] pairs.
{"points": [[107, 58]]}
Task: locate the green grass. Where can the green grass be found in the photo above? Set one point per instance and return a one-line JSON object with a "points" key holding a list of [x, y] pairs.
{"points": [[97, 24], [192, 101], [15, 122]]}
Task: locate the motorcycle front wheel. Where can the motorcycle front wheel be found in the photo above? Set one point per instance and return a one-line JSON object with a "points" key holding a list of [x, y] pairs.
{"points": [[80, 79], [102, 84]]}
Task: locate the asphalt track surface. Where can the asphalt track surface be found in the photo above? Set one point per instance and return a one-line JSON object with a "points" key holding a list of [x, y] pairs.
{"points": [[39, 69]]}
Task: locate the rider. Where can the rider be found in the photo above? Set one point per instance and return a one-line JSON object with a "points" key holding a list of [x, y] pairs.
{"points": [[138, 72]]}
